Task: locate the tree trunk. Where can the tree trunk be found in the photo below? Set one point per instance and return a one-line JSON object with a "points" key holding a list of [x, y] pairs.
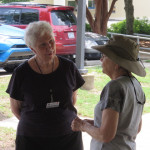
{"points": [[129, 9], [99, 23]]}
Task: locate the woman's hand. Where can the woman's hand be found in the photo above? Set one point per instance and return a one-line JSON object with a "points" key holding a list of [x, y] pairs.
{"points": [[77, 124]]}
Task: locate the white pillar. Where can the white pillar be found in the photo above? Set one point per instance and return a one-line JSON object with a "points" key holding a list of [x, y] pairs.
{"points": [[81, 16]]}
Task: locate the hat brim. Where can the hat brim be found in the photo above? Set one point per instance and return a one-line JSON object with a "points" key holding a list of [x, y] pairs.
{"points": [[132, 66]]}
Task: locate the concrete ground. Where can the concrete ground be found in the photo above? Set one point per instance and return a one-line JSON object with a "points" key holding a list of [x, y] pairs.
{"points": [[142, 139]]}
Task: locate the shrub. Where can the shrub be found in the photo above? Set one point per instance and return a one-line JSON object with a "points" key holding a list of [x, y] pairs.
{"points": [[119, 27], [88, 28], [141, 26]]}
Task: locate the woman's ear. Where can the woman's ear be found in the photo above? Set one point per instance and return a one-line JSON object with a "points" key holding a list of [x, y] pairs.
{"points": [[117, 67]]}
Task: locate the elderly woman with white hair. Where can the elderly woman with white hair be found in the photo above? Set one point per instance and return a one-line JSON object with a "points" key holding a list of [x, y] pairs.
{"points": [[118, 114], [43, 94]]}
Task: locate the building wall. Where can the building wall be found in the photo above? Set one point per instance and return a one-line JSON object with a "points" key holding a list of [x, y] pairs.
{"points": [[44, 1], [55, 2], [59, 2], [119, 13], [141, 9]]}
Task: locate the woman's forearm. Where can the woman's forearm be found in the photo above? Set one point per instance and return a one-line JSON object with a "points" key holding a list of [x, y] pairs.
{"points": [[15, 107], [99, 134], [107, 130]]}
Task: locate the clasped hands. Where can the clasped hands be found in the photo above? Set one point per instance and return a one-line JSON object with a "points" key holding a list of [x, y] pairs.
{"points": [[80, 125]]}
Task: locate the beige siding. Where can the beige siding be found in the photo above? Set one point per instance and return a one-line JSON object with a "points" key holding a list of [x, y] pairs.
{"points": [[119, 13], [141, 9], [59, 2], [44, 1]]}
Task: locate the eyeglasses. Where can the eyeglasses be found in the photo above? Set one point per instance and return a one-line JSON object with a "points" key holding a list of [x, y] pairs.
{"points": [[102, 56]]}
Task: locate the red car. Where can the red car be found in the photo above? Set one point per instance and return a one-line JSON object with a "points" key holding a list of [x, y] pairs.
{"points": [[61, 18]]}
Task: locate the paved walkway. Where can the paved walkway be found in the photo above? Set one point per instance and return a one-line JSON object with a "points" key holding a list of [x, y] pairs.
{"points": [[143, 138]]}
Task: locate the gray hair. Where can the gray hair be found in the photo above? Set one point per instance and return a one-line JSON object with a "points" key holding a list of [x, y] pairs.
{"points": [[36, 30]]}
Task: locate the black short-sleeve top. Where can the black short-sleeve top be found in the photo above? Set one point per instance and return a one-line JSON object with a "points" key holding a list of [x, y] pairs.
{"points": [[37, 90]]}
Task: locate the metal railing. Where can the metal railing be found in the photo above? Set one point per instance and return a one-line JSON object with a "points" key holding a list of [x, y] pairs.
{"points": [[144, 35]]}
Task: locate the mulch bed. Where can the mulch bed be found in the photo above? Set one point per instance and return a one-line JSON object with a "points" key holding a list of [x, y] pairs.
{"points": [[145, 44]]}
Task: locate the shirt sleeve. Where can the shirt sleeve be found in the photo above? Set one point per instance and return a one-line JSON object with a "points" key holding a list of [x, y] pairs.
{"points": [[14, 86], [77, 79], [112, 96]]}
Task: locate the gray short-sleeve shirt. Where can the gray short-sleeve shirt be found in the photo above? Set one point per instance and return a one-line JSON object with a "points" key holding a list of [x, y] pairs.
{"points": [[120, 96]]}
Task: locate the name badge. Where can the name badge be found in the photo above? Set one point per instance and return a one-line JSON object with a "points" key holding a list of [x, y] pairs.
{"points": [[52, 105]]}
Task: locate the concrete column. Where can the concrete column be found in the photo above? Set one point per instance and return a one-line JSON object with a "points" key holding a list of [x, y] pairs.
{"points": [[81, 16]]}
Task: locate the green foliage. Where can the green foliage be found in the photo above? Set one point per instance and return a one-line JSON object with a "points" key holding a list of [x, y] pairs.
{"points": [[88, 28], [141, 26], [119, 27], [9, 1]]}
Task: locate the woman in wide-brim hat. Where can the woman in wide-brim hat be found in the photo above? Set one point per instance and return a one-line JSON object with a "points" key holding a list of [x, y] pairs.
{"points": [[117, 116]]}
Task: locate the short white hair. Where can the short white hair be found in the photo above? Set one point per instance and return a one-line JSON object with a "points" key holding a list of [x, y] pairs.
{"points": [[35, 30]]}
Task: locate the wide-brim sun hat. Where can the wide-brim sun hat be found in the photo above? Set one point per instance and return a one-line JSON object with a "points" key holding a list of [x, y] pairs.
{"points": [[124, 52]]}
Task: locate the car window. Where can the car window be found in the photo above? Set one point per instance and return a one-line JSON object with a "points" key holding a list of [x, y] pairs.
{"points": [[29, 15], [9, 15], [18, 16], [63, 17]]}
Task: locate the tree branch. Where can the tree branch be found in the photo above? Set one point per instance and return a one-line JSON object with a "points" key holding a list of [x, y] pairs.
{"points": [[111, 8], [90, 18]]}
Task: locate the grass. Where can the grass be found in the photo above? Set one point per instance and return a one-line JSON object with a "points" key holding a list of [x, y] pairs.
{"points": [[86, 99], [5, 111], [147, 61], [7, 138]]}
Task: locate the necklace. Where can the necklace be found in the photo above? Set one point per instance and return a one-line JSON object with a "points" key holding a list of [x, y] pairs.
{"points": [[40, 68], [130, 78]]}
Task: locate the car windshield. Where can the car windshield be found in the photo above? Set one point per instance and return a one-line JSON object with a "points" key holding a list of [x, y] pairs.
{"points": [[63, 18], [18, 16]]}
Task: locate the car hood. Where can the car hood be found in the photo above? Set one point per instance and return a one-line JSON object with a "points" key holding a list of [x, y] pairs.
{"points": [[11, 31], [94, 39], [95, 36]]}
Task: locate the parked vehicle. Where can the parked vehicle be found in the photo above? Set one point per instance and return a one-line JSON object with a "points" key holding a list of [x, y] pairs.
{"points": [[61, 18], [13, 49], [93, 39]]}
